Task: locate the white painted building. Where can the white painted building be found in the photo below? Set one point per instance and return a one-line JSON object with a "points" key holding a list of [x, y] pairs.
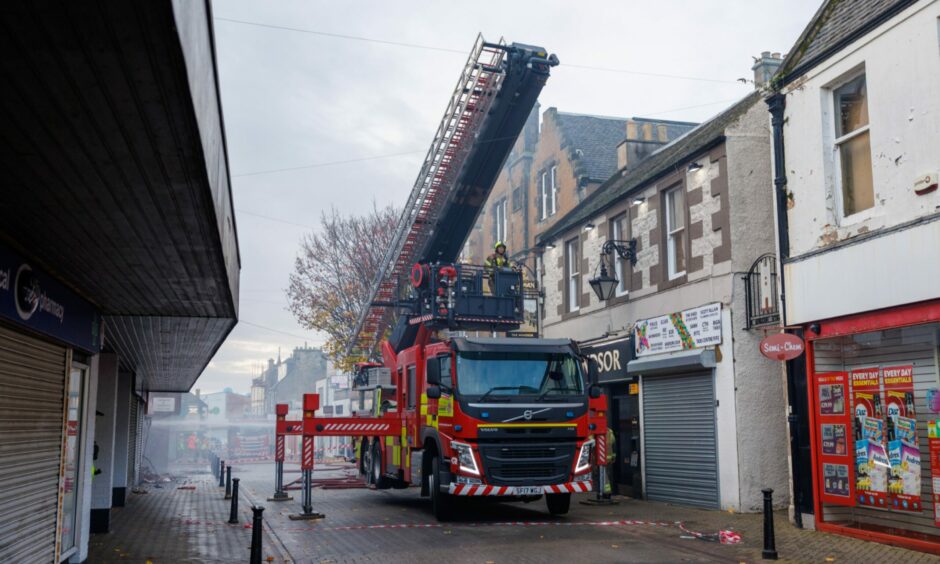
{"points": [[856, 118]]}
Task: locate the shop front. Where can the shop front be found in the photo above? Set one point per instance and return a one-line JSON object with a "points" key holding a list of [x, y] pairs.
{"points": [[875, 419], [675, 365], [46, 333], [623, 414]]}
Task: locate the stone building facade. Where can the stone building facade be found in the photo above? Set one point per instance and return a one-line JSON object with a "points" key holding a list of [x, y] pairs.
{"points": [[700, 211], [553, 167]]}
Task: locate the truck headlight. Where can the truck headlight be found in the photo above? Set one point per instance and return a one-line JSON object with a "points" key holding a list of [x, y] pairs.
{"points": [[584, 459], [465, 458]]}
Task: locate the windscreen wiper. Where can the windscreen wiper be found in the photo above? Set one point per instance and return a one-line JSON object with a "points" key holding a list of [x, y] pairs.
{"points": [[491, 390], [545, 393]]}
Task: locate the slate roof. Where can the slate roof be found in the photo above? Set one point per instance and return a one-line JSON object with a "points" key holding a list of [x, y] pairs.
{"points": [[596, 137], [659, 163], [835, 25]]}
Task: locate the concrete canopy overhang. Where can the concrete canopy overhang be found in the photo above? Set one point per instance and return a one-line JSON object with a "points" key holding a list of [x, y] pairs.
{"points": [[115, 176]]}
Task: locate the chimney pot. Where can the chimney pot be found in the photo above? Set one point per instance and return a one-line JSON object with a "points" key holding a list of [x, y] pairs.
{"points": [[765, 54]]}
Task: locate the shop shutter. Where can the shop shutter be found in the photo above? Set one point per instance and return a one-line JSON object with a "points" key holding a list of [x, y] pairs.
{"points": [[679, 439], [32, 391]]}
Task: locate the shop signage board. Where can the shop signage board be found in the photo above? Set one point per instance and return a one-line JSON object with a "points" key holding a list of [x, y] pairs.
{"points": [[903, 448], [782, 346], [611, 358], [690, 329], [872, 464], [833, 420], [32, 298]]}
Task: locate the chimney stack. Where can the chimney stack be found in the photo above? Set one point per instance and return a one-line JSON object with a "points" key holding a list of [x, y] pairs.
{"points": [[765, 67]]}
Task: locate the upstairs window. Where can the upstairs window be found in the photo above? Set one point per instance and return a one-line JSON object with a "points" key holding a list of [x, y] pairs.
{"points": [[499, 220], [853, 146], [572, 270], [548, 187], [676, 233], [619, 232]]}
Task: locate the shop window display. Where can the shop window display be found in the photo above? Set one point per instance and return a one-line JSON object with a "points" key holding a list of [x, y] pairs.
{"points": [[876, 405]]}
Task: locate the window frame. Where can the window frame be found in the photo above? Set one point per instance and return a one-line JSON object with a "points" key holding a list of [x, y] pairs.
{"points": [[572, 275], [548, 192], [672, 273], [832, 117], [500, 222], [621, 268]]}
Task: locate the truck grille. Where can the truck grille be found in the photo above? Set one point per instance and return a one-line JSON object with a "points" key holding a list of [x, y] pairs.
{"points": [[507, 464]]}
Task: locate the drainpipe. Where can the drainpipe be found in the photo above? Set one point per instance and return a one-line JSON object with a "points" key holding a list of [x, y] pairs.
{"points": [[777, 104]]}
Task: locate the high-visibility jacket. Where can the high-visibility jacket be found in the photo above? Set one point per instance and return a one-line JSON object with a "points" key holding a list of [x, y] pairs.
{"points": [[496, 260], [611, 446]]}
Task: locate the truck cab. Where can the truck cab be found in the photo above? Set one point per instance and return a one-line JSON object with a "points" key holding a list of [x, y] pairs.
{"points": [[502, 418]]}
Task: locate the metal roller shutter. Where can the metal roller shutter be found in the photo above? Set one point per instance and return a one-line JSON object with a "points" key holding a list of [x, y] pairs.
{"points": [[32, 391], [681, 455]]}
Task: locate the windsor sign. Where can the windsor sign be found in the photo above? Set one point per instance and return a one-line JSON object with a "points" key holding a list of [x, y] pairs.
{"points": [[782, 346]]}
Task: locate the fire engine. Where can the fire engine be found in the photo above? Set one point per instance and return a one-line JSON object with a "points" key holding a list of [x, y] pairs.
{"points": [[506, 418]]}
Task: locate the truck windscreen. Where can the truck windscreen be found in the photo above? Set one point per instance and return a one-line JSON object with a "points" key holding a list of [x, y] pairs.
{"points": [[502, 374]]}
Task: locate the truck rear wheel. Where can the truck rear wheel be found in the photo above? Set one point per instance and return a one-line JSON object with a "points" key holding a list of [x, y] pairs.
{"points": [[558, 504], [441, 503], [379, 480]]}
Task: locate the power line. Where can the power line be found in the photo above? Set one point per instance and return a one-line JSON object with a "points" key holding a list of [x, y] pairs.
{"points": [[328, 163], [344, 36], [269, 218], [277, 331], [449, 50]]}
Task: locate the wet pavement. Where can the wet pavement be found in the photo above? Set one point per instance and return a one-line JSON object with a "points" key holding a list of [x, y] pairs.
{"points": [[172, 525]]}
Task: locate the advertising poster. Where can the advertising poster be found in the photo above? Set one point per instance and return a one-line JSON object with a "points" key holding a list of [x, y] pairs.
{"points": [[690, 329], [834, 435], [933, 433], [836, 480], [834, 440], [872, 464], [903, 447]]}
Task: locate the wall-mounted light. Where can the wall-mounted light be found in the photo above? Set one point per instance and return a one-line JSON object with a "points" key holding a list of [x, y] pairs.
{"points": [[588, 226], [549, 245], [638, 200], [693, 166]]}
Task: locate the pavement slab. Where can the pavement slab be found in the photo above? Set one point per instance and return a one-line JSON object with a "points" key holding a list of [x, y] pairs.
{"points": [[396, 526]]}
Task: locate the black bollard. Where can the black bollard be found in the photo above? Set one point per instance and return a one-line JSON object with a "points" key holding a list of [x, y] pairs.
{"points": [[770, 548], [228, 482], [233, 512], [221, 473], [256, 534]]}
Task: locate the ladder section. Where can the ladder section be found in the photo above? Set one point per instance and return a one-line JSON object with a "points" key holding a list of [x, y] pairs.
{"points": [[475, 91]]}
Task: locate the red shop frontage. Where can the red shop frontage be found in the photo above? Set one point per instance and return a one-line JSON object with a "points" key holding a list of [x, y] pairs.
{"points": [[874, 397]]}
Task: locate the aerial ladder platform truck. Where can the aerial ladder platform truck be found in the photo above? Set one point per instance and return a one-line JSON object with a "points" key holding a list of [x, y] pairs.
{"points": [[497, 417]]}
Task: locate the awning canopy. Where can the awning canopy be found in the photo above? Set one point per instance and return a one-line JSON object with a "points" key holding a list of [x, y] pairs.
{"points": [[698, 359], [115, 176]]}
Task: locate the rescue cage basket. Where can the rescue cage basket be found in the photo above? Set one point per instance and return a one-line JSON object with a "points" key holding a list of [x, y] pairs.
{"points": [[470, 297]]}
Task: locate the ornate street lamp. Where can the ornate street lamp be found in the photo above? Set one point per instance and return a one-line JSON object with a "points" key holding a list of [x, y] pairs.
{"points": [[605, 285]]}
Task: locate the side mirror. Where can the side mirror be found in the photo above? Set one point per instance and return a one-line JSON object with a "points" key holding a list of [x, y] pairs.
{"points": [[433, 372], [434, 392], [594, 392], [592, 370]]}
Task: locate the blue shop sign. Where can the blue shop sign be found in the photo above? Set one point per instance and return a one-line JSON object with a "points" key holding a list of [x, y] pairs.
{"points": [[32, 298]]}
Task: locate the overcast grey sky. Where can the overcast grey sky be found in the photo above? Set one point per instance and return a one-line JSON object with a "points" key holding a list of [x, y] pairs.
{"points": [[293, 98]]}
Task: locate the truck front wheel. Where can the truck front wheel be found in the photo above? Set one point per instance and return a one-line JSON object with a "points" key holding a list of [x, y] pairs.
{"points": [[558, 504], [379, 480], [441, 502]]}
